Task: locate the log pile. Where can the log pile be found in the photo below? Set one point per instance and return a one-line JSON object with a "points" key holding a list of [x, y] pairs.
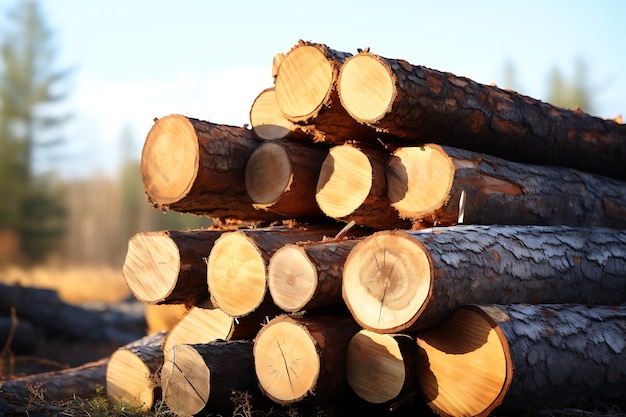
{"points": [[385, 235]]}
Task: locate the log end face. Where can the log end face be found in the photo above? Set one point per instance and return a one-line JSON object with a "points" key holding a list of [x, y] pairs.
{"points": [[267, 121], [268, 173], [291, 278], [129, 380], [185, 381], [168, 180]]}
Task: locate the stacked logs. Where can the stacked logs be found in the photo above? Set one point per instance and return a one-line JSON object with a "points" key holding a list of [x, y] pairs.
{"points": [[385, 234]]}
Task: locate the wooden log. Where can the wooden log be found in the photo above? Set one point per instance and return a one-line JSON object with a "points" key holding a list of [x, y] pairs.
{"points": [[306, 94], [423, 105], [352, 187], [296, 356], [382, 368], [441, 186], [202, 378], [307, 276], [520, 359], [237, 266], [400, 281], [281, 177], [194, 166], [161, 317], [269, 123], [133, 373], [168, 267], [17, 335]]}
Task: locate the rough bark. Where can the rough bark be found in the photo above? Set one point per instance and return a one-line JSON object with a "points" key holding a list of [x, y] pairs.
{"points": [[168, 267], [441, 186], [352, 187], [296, 356], [269, 123], [194, 166], [422, 105], [307, 276], [396, 281], [382, 368], [518, 359], [202, 378], [133, 372], [281, 177], [306, 94]]}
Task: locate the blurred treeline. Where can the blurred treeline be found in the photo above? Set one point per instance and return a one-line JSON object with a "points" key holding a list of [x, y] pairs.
{"points": [[89, 221]]}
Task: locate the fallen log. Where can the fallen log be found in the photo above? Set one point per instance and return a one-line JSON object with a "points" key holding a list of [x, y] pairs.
{"points": [[206, 176], [401, 281], [17, 335], [295, 357], [441, 186], [269, 123], [519, 359], [133, 373], [352, 187], [168, 267], [423, 105], [281, 177]]}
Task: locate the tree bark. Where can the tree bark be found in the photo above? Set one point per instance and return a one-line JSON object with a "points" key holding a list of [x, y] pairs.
{"points": [[281, 177], [194, 166], [202, 378], [297, 356], [269, 123], [306, 93], [441, 186], [168, 267], [382, 368], [133, 373], [422, 105], [399, 281], [237, 266], [518, 359], [307, 276], [352, 187]]}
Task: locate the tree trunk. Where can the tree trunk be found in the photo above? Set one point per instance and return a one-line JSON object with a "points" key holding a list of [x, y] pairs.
{"points": [[516, 359], [193, 166], [237, 266], [398, 281], [441, 186], [307, 276], [281, 177], [269, 123], [422, 105], [306, 94], [168, 267], [352, 187], [297, 356], [202, 378], [382, 368], [133, 373]]}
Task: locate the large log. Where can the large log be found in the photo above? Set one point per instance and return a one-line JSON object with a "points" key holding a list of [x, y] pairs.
{"points": [[269, 123], [423, 105], [442, 186], [306, 94], [295, 357], [399, 281], [281, 177], [133, 373], [202, 378], [352, 187], [194, 166], [520, 359], [168, 267]]}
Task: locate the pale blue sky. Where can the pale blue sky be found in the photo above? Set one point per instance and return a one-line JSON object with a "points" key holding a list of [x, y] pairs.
{"points": [[136, 60]]}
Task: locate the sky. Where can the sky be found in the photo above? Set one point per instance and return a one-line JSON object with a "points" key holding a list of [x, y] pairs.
{"points": [[135, 60]]}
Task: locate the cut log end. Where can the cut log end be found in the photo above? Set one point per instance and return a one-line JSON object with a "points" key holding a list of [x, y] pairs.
{"points": [[167, 180], [129, 380], [268, 173], [304, 81], [387, 279], [419, 180], [468, 340], [366, 87], [291, 278], [267, 121], [286, 361], [185, 381], [151, 266]]}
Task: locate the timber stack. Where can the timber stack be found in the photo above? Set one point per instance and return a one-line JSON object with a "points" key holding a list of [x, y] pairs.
{"points": [[386, 236]]}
